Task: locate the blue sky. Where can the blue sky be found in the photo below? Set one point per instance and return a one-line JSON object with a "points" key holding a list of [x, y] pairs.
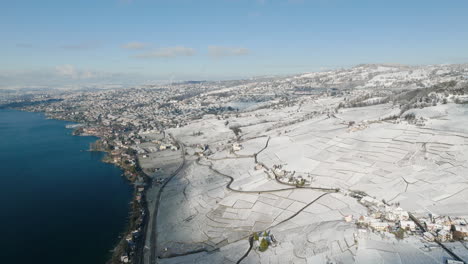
{"points": [[135, 40]]}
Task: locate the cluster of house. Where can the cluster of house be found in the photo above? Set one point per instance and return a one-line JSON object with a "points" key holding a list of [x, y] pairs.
{"points": [[384, 217], [392, 218], [164, 146], [262, 240], [258, 166], [236, 147], [158, 181], [131, 242], [135, 234], [158, 146], [199, 150], [91, 131], [291, 177], [119, 156], [353, 127], [139, 109], [139, 194]]}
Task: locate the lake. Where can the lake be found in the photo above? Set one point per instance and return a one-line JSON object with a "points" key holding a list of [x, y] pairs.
{"points": [[58, 202]]}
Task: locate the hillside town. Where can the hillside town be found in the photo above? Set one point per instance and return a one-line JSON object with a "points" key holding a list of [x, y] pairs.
{"points": [[392, 218]]}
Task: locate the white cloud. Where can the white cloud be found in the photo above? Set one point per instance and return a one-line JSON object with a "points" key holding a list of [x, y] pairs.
{"points": [[69, 71], [65, 76], [135, 45], [66, 70], [82, 46], [220, 51], [168, 52]]}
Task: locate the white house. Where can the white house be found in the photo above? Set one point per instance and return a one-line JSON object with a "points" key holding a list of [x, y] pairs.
{"points": [[348, 218], [428, 236], [124, 259], [379, 226], [395, 214], [236, 147], [409, 225], [444, 235]]}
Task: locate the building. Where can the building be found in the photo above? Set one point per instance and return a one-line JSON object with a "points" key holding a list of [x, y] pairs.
{"points": [[428, 236], [124, 258], [348, 218], [395, 214], [460, 232], [379, 226], [408, 225], [451, 261], [444, 235], [433, 227], [236, 147], [369, 201]]}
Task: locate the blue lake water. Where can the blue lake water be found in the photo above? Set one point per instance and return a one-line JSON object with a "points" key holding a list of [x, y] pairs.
{"points": [[58, 202]]}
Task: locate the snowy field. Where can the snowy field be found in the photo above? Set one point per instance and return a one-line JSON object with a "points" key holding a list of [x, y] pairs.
{"points": [[230, 188]]}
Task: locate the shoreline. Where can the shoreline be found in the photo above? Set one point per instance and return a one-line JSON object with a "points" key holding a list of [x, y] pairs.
{"points": [[137, 215], [132, 237]]}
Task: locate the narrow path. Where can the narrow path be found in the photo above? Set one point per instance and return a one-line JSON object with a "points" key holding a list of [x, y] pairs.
{"points": [[231, 180], [228, 186], [250, 237], [299, 211], [273, 226], [248, 251], [266, 146]]}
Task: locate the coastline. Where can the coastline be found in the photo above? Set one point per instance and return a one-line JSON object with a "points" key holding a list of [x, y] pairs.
{"points": [[132, 237], [134, 232]]}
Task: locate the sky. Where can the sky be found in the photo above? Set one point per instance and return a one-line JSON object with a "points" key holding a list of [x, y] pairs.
{"points": [[56, 42]]}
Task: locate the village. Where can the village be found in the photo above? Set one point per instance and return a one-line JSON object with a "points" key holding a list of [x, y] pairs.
{"points": [[291, 177], [384, 217]]}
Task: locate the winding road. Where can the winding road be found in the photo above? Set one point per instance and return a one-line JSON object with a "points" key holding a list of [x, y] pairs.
{"points": [[153, 237]]}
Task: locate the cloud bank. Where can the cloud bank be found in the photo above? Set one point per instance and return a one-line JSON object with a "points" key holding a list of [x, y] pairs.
{"points": [[69, 71], [168, 52], [82, 46], [135, 45], [220, 51]]}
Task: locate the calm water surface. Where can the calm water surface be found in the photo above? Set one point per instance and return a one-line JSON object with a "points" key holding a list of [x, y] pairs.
{"points": [[58, 202]]}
